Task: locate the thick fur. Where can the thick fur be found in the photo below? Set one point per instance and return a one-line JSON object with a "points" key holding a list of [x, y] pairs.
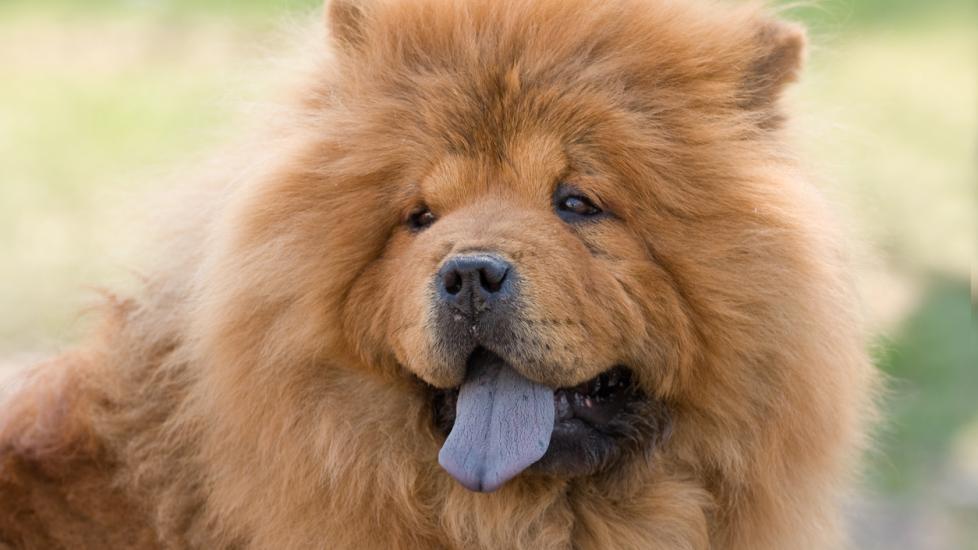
{"points": [[265, 389]]}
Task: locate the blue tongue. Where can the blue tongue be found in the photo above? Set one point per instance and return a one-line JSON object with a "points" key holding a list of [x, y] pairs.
{"points": [[503, 423]]}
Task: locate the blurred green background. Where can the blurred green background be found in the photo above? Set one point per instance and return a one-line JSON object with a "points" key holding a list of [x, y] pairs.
{"points": [[101, 98]]}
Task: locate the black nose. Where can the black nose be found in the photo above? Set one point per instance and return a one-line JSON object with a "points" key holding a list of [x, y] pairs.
{"points": [[472, 282]]}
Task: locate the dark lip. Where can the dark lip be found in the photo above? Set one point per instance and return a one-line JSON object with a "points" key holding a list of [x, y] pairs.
{"points": [[595, 423], [597, 401]]}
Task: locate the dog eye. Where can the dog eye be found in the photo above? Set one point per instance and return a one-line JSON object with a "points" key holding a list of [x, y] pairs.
{"points": [[420, 218], [571, 205], [580, 206]]}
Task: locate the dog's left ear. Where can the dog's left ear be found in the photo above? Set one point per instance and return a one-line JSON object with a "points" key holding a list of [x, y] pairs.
{"points": [[345, 21], [779, 54]]}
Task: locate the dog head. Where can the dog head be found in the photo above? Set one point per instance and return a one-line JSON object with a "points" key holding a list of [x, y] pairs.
{"points": [[566, 218]]}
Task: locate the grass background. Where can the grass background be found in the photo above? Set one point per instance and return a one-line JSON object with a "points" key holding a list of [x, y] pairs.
{"points": [[99, 98]]}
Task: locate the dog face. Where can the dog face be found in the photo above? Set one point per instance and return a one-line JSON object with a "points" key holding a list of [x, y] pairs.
{"points": [[529, 255], [562, 220]]}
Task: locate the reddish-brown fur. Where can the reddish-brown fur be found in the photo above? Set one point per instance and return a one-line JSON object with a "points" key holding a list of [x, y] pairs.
{"points": [[263, 390]]}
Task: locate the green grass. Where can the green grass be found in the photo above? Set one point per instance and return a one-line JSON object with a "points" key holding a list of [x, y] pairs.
{"points": [[85, 127], [892, 118], [222, 8], [932, 364], [854, 15]]}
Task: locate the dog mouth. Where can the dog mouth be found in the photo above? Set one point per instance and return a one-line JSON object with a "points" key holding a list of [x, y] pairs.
{"points": [[499, 424]]}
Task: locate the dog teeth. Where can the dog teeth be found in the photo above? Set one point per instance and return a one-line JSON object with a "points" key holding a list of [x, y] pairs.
{"points": [[562, 406]]}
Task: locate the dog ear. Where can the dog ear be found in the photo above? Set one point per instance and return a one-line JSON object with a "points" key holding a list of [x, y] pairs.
{"points": [[345, 20], [779, 54]]}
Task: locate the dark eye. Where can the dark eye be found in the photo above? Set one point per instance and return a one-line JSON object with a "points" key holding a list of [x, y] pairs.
{"points": [[420, 218], [572, 205]]}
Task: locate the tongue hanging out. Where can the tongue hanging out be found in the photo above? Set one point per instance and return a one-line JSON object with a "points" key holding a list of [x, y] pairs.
{"points": [[503, 423]]}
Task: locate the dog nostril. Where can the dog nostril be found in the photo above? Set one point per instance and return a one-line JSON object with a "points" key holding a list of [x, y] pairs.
{"points": [[452, 282], [491, 278]]}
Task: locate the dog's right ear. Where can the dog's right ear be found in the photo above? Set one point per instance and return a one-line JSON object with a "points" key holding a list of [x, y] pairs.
{"points": [[779, 53], [345, 21]]}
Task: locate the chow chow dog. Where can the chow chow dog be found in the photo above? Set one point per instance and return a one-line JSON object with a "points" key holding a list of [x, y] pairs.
{"points": [[521, 274]]}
